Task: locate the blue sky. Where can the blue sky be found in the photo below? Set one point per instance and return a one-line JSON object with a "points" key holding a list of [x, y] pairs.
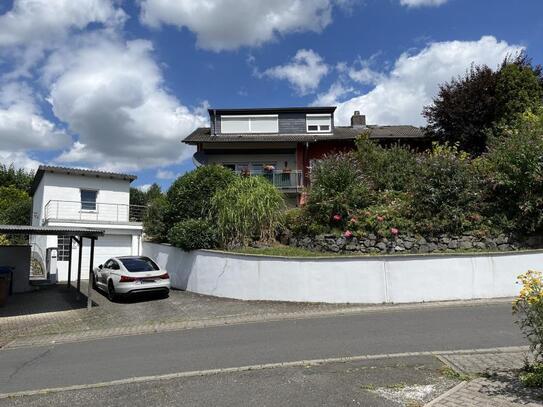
{"points": [[116, 85]]}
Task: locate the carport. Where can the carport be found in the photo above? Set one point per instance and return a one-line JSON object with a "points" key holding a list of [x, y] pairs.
{"points": [[75, 234]]}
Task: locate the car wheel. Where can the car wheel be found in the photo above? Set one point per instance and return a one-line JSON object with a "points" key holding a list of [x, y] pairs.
{"points": [[111, 291]]}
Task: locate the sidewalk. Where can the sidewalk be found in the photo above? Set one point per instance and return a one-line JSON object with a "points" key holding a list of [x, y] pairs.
{"points": [[493, 381]]}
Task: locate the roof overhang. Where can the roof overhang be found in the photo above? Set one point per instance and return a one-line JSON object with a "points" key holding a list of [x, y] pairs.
{"points": [[273, 110], [50, 230], [42, 169]]}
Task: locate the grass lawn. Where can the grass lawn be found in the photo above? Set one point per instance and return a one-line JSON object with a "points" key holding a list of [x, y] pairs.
{"points": [[284, 251]]}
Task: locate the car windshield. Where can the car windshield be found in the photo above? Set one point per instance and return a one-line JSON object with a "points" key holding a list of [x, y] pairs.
{"points": [[136, 264]]}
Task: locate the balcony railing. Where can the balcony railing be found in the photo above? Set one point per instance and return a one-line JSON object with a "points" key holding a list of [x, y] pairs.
{"points": [[283, 180], [94, 212]]}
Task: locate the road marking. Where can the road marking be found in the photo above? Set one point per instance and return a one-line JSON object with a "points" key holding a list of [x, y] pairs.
{"points": [[298, 363]]}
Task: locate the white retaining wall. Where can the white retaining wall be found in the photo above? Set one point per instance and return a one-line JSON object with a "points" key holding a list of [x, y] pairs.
{"points": [[383, 279]]}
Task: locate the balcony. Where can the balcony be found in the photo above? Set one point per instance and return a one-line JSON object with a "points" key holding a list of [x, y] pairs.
{"points": [[286, 181], [91, 212]]}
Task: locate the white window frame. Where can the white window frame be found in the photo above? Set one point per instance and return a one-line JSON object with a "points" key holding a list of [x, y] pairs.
{"points": [[319, 130], [252, 116], [95, 201]]}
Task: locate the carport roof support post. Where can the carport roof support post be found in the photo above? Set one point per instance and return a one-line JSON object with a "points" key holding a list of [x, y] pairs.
{"points": [[91, 266], [79, 267]]}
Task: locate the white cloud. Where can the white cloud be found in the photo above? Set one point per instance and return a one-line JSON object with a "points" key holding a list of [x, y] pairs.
{"points": [[31, 27], [165, 174], [229, 24], [111, 94], [19, 159], [304, 72], [22, 127], [144, 187], [43, 21], [337, 91], [400, 95], [422, 3]]}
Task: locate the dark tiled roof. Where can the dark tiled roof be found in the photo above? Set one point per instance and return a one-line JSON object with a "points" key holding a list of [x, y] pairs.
{"points": [[203, 135], [76, 171]]}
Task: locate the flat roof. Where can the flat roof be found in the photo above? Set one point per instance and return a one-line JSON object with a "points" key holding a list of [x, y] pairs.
{"points": [[270, 110], [50, 230], [42, 169]]}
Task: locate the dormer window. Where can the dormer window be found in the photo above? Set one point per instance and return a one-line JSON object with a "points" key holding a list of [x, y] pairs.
{"points": [[241, 124], [318, 123]]}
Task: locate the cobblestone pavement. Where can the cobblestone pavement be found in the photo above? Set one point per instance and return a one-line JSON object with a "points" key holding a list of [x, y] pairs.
{"points": [[52, 314], [494, 381]]}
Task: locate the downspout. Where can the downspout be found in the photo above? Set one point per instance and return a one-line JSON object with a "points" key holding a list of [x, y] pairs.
{"points": [[214, 122]]}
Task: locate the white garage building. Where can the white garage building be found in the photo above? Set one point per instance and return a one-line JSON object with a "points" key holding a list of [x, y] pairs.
{"points": [[85, 199]]}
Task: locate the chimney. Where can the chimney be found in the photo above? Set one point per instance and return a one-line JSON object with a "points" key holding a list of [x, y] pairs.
{"points": [[358, 120]]}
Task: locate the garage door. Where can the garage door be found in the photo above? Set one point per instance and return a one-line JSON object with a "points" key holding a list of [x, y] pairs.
{"points": [[106, 247]]}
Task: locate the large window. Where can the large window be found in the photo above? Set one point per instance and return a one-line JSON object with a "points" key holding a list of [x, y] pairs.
{"points": [[250, 124], [64, 248], [320, 123], [88, 199]]}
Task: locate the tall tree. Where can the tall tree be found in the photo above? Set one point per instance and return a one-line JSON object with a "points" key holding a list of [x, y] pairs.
{"points": [[470, 108], [18, 178], [465, 109]]}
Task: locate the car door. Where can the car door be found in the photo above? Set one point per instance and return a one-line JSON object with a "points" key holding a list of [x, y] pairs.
{"points": [[104, 273]]}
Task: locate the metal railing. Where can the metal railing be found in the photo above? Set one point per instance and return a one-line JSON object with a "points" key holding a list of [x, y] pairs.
{"points": [[93, 212], [283, 180]]}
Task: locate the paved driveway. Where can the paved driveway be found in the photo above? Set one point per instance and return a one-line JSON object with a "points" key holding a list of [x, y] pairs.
{"points": [[53, 312]]}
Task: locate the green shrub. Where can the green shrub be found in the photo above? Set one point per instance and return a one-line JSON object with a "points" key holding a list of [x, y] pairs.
{"points": [[248, 209], [15, 206], [300, 223], [514, 171], [390, 168], [338, 189], [190, 195], [154, 224], [393, 211], [193, 234], [528, 307], [446, 192], [532, 376]]}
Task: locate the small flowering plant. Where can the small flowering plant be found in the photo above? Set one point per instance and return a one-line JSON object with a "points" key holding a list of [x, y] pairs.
{"points": [[528, 307]]}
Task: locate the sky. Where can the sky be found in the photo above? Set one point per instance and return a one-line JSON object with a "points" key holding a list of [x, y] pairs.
{"points": [[117, 84]]}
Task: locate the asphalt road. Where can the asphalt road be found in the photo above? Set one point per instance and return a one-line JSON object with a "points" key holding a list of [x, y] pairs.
{"points": [[396, 331]]}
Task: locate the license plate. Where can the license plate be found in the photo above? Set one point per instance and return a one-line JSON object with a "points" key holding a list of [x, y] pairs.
{"points": [[146, 281]]}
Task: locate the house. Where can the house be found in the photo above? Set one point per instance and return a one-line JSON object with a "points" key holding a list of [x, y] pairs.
{"points": [[70, 197], [281, 143]]}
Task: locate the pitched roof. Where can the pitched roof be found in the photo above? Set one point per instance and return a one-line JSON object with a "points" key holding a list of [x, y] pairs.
{"points": [[76, 171], [203, 135]]}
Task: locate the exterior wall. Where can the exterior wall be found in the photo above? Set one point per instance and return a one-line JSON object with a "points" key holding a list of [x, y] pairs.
{"points": [[113, 243], [65, 187], [289, 123], [279, 159], [17, 257], [384, 279], [318, 150], [120, 238]]}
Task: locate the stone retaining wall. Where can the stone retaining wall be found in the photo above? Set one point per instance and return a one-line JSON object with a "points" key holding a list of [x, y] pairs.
{"points": [[402, 244]]}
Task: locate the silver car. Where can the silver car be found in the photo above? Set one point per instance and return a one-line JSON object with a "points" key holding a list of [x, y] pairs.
{"points": [[127, 275]]}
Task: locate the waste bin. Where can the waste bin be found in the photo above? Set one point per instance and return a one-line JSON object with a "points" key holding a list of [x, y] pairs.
{"points": [[5, 284]]}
